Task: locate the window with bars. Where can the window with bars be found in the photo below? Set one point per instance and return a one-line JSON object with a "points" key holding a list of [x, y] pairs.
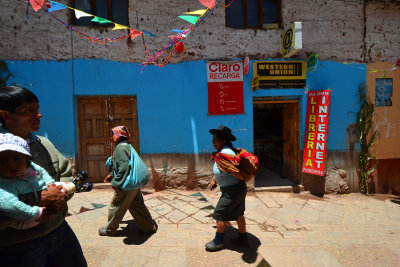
{"points": [[113, 10], [257, 14]]}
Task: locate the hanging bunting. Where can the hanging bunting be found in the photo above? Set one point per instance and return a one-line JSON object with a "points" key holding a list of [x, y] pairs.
{"points": [[37, 4], [134, 34], [176, 30], [54, 6], [179, 47], [79, 14], [200, 12], [174, 45], [100, 20], [149, 33], [119, 27], [191, 19], [208, 3]]}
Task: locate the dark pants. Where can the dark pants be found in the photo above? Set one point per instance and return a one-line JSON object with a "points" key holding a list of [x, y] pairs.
{"points": [[58, 248]]}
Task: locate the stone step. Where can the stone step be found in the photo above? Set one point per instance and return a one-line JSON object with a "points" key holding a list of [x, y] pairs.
{"points": [[283, 188]]}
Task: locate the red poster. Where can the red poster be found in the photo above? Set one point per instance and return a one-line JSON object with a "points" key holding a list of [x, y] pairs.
{"points": [[316, 132], [225, 87]]}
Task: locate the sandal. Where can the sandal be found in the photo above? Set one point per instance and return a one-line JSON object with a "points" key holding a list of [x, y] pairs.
{"points": [[104, 232]]}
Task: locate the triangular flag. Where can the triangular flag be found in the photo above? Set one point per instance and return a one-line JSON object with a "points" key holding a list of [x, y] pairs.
{"points": [[208, 3], [100, 20], [191, 19], [36, 4], [79, 14], [54, 6], [149, 33], [134, 34], [119, 27], [197, 12]]}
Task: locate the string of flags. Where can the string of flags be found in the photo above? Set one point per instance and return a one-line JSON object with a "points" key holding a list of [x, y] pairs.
{"points": [[385, 71], [312, 65], [174, 45]]}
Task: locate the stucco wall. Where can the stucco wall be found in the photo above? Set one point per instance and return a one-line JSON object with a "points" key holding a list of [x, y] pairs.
{"points": [[386, 178], [173, 101], [336, 30], [386, 118]]}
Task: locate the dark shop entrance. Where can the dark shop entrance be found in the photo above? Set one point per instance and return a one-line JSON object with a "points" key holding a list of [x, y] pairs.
{"points": [[276, 141]]}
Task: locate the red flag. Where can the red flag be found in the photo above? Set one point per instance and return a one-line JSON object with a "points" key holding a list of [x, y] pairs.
{"points": [[134, 34], [37, 4], [208, 3]]}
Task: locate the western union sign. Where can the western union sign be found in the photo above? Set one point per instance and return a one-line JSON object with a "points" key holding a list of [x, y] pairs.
{"points": [[280, 74]]}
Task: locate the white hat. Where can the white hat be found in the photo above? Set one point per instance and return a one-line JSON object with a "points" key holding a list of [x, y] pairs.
{"points": [[14, 143]]}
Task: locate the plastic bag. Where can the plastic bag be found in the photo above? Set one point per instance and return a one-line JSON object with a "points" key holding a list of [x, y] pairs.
{"points": [[139, 175]]}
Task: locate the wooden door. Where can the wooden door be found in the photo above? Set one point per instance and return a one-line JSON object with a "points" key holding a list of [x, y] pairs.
{"points": [[290, 166], [123, 111], [96, 117]]}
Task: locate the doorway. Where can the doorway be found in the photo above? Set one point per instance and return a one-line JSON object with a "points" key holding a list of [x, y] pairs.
{"points": [[97, 115], [276, 142]]}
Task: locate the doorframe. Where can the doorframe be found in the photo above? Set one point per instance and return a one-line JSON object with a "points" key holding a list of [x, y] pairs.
{"points": [[78, 157], [280, 100]]}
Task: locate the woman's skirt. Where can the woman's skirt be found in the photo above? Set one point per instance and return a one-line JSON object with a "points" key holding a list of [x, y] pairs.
{"points": [[231, 204]]}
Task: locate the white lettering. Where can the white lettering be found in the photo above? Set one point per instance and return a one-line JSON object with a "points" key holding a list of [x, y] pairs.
{"points": [[321, 137], [322, 117], [320, 146], [319, 162], [323, 109]]}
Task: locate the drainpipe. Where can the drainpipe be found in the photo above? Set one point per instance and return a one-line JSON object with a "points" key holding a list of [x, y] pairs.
{"points": [[365, 31]]}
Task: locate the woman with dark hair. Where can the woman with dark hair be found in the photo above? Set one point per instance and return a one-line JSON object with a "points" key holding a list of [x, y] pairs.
{"points": [[231, 204]]}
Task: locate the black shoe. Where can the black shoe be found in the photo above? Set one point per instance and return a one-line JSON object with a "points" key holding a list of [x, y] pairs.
{"points": [[244, 242], [211, 246]]}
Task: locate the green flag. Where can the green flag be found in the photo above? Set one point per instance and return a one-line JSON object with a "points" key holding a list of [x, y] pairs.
{"points": [[191, 19]]}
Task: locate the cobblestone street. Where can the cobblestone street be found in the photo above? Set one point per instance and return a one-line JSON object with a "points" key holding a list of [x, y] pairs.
{"points": [[284, 229]]}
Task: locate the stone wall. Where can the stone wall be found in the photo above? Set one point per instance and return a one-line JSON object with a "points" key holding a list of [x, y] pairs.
{"points": [[337, 30], [182, 171]]}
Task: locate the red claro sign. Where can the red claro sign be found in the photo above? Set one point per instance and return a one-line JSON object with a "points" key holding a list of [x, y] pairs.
{"points": [[225, 87]]}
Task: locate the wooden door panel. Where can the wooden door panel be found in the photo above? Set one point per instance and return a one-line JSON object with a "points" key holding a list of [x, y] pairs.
{"points": [[96, 117], [290, 141], [123, 111], [93, 137]]}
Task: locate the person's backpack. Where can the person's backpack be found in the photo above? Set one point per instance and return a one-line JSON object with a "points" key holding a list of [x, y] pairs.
{"points": [[243, 165]]}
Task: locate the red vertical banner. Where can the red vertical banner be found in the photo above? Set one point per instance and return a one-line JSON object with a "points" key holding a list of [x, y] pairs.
{"points": [[316, 132], [225, 87]]}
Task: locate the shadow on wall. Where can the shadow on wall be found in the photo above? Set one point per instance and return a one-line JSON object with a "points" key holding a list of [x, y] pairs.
{"points": [[158, 185]]}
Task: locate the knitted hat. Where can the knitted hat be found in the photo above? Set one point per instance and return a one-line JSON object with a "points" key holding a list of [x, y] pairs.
{"points": [[14, 143]]}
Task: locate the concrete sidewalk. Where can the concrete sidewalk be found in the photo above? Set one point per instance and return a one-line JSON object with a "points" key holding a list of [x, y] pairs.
{"points": [[285, 229]]}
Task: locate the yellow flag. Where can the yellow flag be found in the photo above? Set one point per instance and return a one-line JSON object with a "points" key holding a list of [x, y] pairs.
{"points": [[119, 27], [197, 12]]}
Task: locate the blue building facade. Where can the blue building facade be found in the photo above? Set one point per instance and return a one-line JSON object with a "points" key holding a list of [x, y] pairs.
{"points": [[172, 101]]}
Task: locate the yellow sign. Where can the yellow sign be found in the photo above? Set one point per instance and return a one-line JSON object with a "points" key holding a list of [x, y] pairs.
{"points": [[280, 74], [254, 83], [292, 40]]}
